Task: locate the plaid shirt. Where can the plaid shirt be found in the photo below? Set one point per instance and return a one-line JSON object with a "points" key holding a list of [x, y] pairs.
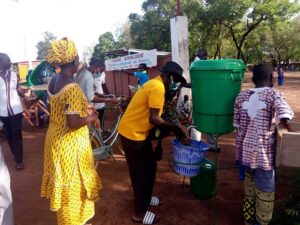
{"points": [[255, 111]]}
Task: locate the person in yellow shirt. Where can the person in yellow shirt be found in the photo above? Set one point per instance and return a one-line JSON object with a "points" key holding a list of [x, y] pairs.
{"points": [[143, 113]]}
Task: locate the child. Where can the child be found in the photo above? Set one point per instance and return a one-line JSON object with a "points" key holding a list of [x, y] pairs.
{"points": [[185, 109], [280, 76], [255, 111]]}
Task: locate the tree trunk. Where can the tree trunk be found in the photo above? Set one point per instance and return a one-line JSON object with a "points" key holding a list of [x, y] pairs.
{"points": [[239, 43]]}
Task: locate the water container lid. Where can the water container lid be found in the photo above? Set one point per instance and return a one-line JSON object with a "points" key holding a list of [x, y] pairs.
{"points": [[218, 64]]}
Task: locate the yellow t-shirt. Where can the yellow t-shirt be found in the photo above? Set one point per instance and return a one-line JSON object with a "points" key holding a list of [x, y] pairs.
{"points": [[135, 124]]}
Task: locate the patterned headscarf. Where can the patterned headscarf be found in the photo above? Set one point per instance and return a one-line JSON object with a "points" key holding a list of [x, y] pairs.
{"points": [[61, 52]]}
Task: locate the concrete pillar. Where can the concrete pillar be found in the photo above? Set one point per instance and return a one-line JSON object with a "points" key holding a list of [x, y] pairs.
{"points": [[180, 49], [179, 41]]}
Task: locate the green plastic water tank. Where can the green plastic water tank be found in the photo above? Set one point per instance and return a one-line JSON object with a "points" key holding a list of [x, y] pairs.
{"points": [[215, 85], [203, 185]]}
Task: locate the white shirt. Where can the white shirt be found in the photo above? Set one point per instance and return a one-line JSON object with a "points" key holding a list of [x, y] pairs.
{"points": [[10, 102], [6, 216], [85, 80], [99, 81]]}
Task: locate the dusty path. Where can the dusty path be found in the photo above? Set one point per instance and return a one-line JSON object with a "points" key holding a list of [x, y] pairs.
{"points": [[179, 207]]}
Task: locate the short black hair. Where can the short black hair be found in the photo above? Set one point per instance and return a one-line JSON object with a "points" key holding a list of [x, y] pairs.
{"points": [[262, 72], [202, 54], [143, 66], [96, 62]]}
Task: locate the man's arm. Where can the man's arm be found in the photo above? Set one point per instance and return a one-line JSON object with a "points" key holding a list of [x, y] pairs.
{"points": [[105, 89], [98, 99], [155, 119], [128, 72], [27, 100]]}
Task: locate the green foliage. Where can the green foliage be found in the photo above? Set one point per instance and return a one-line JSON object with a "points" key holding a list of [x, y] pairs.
{"points": [[152, 30], [123, 35], [253, 30], [287, 212], [241, 18], [43, 46], [106, 44], [278, 42]]}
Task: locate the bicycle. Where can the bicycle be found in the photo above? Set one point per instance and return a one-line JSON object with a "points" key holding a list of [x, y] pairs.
{"points": [[103, 145]]}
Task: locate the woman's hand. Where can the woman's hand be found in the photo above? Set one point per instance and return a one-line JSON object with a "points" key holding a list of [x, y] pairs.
{"points": [[91, 109], [95, 120]]}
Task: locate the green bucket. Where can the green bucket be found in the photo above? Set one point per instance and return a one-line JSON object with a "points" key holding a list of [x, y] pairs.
{"points": [[215, 85], [203, 186]]}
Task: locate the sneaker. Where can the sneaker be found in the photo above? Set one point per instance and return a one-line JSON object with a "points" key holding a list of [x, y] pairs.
{"points": [[20, 166]]}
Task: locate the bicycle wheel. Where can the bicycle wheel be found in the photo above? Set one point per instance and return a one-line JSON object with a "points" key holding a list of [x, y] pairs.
{"points": [[95, 144]]}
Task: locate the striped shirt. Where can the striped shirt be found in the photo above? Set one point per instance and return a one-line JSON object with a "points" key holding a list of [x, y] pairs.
{"points": [[255, 113], [10, 102]]}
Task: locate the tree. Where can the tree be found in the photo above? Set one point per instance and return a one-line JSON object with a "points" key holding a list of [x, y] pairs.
{"points": [[284, 39], [242, 17], [123, 35], [296, 50], [87, 53], [43, 46], [106, 44], [152, 29], [224, 28]]}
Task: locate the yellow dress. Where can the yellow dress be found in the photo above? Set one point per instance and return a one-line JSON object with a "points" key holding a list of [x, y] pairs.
{"points": [[70, 181]]}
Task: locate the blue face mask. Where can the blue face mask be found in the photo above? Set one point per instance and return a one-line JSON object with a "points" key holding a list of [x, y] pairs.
{"points": [[97, 75], [174, 86]]}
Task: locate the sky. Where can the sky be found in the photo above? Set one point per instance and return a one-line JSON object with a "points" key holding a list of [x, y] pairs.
{"points": [[24, 21]]}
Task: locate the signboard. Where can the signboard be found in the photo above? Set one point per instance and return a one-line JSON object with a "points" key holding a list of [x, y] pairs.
{"points": [[132, 61], [23, 68]]}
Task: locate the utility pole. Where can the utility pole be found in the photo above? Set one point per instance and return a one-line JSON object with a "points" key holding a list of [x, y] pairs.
{"points": [[178, 9]]}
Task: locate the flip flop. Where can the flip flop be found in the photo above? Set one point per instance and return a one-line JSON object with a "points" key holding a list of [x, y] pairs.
{"points": [[149, 218], [155, 201]]}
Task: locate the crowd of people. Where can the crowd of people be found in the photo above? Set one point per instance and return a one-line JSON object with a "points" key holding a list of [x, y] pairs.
{"points": [[70, 181]]}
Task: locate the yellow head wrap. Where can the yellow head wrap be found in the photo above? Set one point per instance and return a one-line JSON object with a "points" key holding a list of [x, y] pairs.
{"points": [[61, 52]]}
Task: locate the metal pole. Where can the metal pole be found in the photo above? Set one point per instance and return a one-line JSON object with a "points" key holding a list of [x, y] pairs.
{"points": [[178, 9]]}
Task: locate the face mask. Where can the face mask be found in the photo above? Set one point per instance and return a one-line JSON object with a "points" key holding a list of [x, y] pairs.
{"points": [[97, 74], [174, 86]]}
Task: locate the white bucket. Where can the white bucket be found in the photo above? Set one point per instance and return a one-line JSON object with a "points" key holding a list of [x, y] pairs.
{"points": [[194, 134]]}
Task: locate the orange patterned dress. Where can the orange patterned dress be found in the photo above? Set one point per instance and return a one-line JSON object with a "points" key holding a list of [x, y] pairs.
{"points": [[70, 181]]}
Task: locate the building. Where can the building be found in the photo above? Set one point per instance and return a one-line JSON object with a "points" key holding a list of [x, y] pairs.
{"points": [[118, 81]]}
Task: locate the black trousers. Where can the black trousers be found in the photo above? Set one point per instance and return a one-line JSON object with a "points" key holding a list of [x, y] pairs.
{"points": [[13, 126], [142, 169]]}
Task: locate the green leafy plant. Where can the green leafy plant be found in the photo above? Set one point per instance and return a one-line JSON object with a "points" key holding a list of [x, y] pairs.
{"points": [[287, 211]]}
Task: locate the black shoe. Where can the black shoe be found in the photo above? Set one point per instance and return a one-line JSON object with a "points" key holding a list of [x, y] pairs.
{"points": [[20, 166], [214, 150]]}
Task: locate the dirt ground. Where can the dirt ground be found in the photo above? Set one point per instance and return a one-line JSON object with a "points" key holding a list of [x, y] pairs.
{"points": [[115, 207]]}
